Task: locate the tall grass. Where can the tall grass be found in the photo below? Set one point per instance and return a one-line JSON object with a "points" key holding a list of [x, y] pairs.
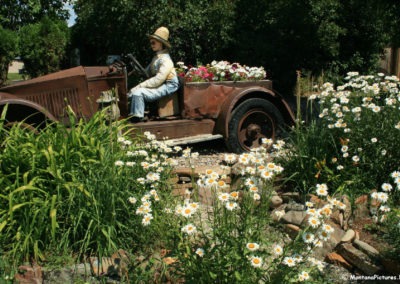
{"points": [[351, 144], [60, 189]]}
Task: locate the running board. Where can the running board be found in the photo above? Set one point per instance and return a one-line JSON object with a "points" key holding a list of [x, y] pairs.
{"points": [[193, 139]]}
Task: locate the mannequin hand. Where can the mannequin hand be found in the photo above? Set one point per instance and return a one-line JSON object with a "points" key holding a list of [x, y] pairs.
{"points": [[130, 93]]}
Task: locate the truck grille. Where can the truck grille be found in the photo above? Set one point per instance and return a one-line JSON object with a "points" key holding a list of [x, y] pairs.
{"points": [[55, 101]]}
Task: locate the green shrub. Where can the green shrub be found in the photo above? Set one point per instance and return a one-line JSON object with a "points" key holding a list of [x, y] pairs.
{"points": [[43, 46], [351, 146], [62, 189], [310, 149]]}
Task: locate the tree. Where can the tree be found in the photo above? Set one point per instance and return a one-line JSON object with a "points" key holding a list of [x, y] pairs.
{"points": [[14, 14], [287, 35], [320, 36], [199, 30], [368, 31], [8, 51], [17, 13], [43, 46]]}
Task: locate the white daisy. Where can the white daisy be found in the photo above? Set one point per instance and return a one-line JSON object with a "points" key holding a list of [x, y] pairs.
{"points": [[189, 229], [256, 261], [308, 238], [200, 252], [252, 246], [278, 250], [387, 187], [289, 261]]}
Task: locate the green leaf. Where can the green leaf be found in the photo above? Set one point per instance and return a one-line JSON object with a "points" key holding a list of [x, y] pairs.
{"points": [[2, 225], [237, 275], [15, 207], [53, 215], [213, 275]]}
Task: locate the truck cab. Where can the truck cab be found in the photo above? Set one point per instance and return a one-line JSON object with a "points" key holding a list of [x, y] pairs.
{"points": [[240, 112]]}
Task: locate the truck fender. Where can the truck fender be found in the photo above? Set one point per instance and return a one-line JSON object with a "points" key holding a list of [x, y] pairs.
{"points": [[20, 109], [234, 99]]}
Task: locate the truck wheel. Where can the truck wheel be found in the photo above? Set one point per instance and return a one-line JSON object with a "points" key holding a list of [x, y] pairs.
{"points": [[251, 121]]}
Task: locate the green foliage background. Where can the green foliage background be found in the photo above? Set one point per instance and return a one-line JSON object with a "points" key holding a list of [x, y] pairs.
{"points": [[328, 36], [8, 48], [16, 15], [283, 36], [43, 45]]}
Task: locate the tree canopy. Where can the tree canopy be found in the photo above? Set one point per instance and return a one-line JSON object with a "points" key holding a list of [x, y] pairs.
{"points": [[18, 17], [281, 35], [17, 13], [329, 36], [8, 51], [43, 46]]}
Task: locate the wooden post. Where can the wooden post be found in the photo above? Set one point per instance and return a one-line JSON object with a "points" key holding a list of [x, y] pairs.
{"points": [[396, 62], [385, 63]]}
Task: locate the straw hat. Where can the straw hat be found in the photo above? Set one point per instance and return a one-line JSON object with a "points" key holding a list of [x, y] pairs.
{"points": [[161, 34]]}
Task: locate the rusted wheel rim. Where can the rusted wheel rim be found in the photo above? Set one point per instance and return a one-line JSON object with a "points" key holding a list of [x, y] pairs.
{"points": [[255, 125]]}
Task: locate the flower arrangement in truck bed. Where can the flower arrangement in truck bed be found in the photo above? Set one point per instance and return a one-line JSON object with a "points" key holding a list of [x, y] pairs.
{"points": [[220, 71]]}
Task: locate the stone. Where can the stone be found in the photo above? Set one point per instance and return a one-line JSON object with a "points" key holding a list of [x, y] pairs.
{"points": [[105, 266], [290, 196], [295, 207], [121, 260], [346, 212], [334, 274], [361, 207], [82, 269], [292, 230], [358, 259], [276, 201], [275, 217], [337, 259], [374, 204], [185, 179], [206, 196], [331, 243], [366, 248], [238, 169], [185, 171], [318, 203], [174, 179], [349, 236], [29, 274], [199, 170], [65, 275], [180, 189], [294, 217], [335, 216], [341, 220]]}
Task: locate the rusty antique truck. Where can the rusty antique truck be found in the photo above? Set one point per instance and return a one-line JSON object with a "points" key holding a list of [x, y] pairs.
{"points": [[242, 112]]}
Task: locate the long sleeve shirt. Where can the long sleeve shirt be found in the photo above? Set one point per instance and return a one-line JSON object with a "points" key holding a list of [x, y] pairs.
{"points": [[160, 69]]}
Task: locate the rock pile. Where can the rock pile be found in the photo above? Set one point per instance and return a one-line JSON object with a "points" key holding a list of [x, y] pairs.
{"points": [[345, 248]]}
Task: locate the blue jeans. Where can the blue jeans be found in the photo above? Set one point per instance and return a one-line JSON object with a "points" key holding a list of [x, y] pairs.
{"points": [[143, 95]]}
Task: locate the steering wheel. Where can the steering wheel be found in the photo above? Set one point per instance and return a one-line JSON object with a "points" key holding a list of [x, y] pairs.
{"points": [[116, 67], [136, 66]]}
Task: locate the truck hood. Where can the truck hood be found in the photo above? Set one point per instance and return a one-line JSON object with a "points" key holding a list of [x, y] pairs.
{"points": [[89, 72]]}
